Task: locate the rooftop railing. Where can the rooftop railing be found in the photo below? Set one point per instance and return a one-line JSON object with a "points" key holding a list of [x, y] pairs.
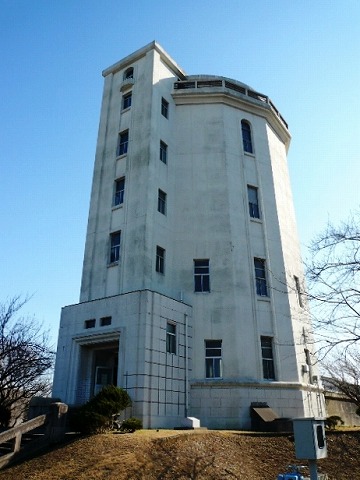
{"points": [[195, 84]]}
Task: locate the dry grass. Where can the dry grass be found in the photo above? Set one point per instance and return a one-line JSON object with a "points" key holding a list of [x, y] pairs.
{"points": [[170, 455]]}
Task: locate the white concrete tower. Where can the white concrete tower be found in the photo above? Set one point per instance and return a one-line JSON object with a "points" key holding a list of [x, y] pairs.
{"points": [[190, 295]]}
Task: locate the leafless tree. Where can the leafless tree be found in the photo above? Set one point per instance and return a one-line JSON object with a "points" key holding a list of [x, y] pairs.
{"points": [[334, 286], [25, 361], [344, 375]]}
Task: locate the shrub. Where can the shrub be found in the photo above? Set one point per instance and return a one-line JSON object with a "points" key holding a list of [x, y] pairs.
{"points": [[131, 424], [96, 415], [88, 422], [110, 401]]}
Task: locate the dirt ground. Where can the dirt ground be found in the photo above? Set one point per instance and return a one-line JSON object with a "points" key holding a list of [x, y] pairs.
{"points": [[170, 455]]}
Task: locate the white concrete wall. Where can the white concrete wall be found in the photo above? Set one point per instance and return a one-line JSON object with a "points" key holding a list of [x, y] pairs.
{"points": [[155, 380], [205, 180]]}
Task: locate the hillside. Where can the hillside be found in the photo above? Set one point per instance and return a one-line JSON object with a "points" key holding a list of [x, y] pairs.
{"points": [[169, 455]]}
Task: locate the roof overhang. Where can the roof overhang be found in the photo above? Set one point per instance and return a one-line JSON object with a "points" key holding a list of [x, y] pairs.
{"points": [[133, 57]]}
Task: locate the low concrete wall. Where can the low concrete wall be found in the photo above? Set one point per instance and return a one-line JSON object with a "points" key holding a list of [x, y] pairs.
{"points": [[53, 424], [336, 404]]}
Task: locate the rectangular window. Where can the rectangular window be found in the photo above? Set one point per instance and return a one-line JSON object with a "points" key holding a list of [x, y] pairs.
{"points": [[123, 142], [201, 275], [267, 358], [164, 107], [171, 338], [115, 247], [160, 260], [90, 323], [126, 100], [162, 202], [119, 191], [298, 291], [105, 321], [163, 152], [213, 359], [253, 202], [260, 277]]}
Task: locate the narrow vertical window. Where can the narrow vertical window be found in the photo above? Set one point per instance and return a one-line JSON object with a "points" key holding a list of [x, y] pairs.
{"points": [[260, 277], [213, 358], [126, 100], [119, 191], [163, 152], [253, 202], [123, 142], [162, 202], [115, 247], [164, 108], [171, 338], [298, 291], [129, 73], [201, 275], [246, 136], [160, 260], [267, 358]]}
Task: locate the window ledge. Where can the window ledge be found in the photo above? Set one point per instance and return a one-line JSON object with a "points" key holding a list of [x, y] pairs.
{"points": [[125, 109], [256, 220], [116, 207], [113, 264], [123, 155], [206, 291], [263, 298], [126, 84], [248, 154]]}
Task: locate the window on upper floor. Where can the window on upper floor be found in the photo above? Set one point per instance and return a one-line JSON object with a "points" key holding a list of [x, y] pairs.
{"points": [[267, 358], [163, 152], [164, 107], [202, 275], [253, 199], [105, 321], [213, 358], [126, 100], [119, 191], [123, 142], [246, 136], [129, 73], [160, 260], [298, 291], [162, 202], [115, 247], [260, 277], [90, 323], [170, 338]]}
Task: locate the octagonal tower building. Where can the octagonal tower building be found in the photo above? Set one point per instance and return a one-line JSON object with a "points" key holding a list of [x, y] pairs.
{"points": [[191, 286]]}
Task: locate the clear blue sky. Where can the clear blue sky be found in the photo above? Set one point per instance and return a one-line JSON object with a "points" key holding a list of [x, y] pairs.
{"points": [[305, 55]]}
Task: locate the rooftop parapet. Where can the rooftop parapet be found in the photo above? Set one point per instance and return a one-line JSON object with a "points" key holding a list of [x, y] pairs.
{"points": [[223, 85]]}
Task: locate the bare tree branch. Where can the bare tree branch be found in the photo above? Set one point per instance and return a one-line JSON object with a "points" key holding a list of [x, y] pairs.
{"points": [[25, 361]]}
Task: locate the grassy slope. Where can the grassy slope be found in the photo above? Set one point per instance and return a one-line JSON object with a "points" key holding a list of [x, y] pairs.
{"points": [[209, 455]]}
